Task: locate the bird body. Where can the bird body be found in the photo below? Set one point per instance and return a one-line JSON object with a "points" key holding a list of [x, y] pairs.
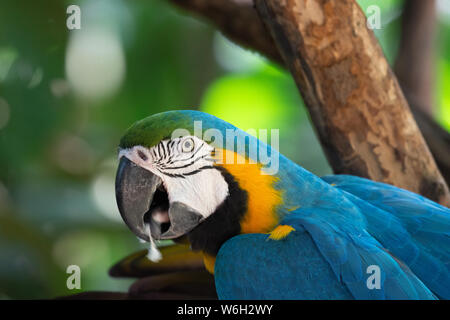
{"points": [[283, 234]]}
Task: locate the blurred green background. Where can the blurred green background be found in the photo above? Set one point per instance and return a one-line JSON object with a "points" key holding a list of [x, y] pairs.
{"points": [[66, 97]]}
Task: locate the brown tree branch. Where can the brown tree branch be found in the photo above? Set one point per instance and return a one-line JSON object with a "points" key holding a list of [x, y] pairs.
{"points": [[415, 70], [437, 138], [360, 155], [414, 63], [238, 20], [357, 107]]}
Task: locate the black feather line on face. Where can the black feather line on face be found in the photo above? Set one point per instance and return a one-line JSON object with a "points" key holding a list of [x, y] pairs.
{"points": [[160, 151], [224, 223], [165, 151], [183, 175], [185, 165]]}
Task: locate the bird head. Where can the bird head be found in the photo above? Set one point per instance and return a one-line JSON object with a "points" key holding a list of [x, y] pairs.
{"points": [[187, 174]]}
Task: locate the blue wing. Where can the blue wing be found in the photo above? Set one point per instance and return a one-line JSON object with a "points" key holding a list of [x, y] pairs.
{"points": [[321, 259], [251, 266], [411, 227]]}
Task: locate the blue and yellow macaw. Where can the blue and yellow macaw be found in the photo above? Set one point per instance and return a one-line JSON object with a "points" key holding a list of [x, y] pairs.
{"points": [[283, 233]]}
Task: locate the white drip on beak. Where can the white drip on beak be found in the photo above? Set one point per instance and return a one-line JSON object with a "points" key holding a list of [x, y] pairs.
{"points": [[153, 254]]}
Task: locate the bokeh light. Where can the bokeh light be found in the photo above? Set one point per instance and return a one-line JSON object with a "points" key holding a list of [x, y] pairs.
{"points": [[95, 63], [7, 57], [231, 57], [73, 154], [444, 93], [103, 191]]}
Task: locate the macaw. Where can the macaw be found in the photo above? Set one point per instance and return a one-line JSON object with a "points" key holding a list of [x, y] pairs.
{"points": [[277, 234]]}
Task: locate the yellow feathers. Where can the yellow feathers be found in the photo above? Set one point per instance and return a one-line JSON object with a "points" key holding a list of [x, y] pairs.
{"points": [[281, 232], [209, 262], [262, 197]]}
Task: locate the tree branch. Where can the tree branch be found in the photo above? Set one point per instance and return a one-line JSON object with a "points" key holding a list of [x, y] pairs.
{"points": [[414, 64], [415, 70], [363, 144], [238, 20], [357, 107], [437, 138]]}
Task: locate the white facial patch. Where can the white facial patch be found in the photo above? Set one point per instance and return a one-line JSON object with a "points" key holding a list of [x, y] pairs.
{"points": [[203, 191], [185, 165]]}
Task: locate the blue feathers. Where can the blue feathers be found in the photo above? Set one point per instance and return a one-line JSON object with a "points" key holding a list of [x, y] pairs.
{"points": [[253, 266], [320, 260], [413, 228], [342, 232], [351, 250]]}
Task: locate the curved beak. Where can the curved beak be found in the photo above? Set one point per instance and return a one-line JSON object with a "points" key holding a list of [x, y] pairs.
{"points": [[143, 203]]}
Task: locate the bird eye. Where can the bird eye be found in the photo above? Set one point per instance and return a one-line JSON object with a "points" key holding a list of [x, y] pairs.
{"points": [[142, 155], [188, 145]]}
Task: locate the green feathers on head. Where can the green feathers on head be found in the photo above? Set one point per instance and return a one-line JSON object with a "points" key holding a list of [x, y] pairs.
{"points": [[149, 131]]}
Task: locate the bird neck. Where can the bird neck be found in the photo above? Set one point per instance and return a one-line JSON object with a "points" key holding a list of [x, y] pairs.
{"points": [[263, 199]]}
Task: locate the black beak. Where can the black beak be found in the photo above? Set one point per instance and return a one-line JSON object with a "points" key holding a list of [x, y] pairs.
{"points": [[142, 198]]}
